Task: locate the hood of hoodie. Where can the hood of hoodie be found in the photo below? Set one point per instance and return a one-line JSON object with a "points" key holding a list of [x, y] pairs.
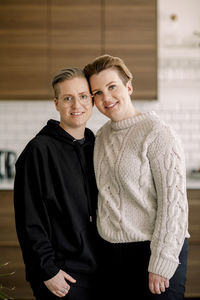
{"points": [[54, 130]]}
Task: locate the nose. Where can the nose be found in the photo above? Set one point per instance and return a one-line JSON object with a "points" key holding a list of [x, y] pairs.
{"points": [[106, 96], [76, 102]]}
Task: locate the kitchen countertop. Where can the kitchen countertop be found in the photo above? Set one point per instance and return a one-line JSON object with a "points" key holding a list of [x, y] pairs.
{"points": [[6, 184], [193, 183]]}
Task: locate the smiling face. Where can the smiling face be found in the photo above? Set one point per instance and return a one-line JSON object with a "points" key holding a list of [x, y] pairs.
{"points": [[74, 104], [111, 95]]}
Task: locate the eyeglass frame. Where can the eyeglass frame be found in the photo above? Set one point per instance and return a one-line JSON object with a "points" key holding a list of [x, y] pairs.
{"points": [[80, 99]]}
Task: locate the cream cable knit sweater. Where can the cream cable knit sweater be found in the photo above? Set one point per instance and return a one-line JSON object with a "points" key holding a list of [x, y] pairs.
{"points": [[140, 172]]}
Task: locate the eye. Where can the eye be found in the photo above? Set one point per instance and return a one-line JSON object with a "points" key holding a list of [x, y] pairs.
{"points": [[112, 87], [84, 97], [68, 98], [98, 93]]}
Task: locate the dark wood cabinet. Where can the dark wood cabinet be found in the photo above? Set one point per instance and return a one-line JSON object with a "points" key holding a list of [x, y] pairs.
{"points": [[40, 37], [23, 49], [193, 274], [75, 34], [10, 251], [130, 33]]}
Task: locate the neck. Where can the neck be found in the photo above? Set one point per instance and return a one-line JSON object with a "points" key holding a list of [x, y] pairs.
{"points": [[131, 112], [77, 133]]}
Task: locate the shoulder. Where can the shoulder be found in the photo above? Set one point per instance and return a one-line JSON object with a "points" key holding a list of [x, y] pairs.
{"points": [[155, 128], [39, 142], [36, 147], [163, 139], [103, 129], [165, 134], [152, 123]]}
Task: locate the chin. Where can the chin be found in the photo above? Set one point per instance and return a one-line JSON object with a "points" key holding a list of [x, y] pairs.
{"points": [[114, 116]]}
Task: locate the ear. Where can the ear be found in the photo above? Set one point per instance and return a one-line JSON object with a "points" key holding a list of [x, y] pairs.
{"points": [[55, 100], [130, 87]]}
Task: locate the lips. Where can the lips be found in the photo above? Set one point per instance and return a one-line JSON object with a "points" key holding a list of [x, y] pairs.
{"points": [[111, 105], [76, 113]]}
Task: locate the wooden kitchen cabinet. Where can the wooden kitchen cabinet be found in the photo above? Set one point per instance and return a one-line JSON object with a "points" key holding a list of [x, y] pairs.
{"points": [[40, 37], [10, 251], [193, 274], [75, 33], [130, 33], [23, 50]]}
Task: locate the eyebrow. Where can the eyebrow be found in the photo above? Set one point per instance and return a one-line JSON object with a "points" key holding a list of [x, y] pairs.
{"points": [[67, 95], [106, 85], [85, 92]]}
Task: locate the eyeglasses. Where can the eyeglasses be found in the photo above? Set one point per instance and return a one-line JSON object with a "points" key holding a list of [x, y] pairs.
{"points": [[84, 98]]}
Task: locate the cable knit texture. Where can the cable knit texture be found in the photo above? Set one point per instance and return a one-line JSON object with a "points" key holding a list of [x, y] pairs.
{"points": [[140, 171]]}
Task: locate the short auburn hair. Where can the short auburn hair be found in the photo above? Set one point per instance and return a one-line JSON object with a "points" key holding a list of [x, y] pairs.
{"points": [[106, 61]]}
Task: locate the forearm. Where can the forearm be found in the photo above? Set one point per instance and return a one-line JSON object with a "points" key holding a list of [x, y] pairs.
{"points": [[172, 213]]}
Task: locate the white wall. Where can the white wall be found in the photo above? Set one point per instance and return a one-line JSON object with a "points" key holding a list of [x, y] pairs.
{"points": [[181, 30]]}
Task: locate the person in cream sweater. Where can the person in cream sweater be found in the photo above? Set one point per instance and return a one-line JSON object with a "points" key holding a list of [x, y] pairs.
{"points": [[142, 204]]}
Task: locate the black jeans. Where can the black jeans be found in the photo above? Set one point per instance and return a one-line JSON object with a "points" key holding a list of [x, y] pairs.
{"points": [[125, 273], [41, 292]]}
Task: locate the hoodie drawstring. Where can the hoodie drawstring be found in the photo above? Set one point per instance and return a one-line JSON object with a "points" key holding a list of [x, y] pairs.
{"points": [[79, 151]]}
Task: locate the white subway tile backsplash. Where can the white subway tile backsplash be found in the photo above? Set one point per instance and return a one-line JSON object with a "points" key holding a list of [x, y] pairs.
{"points": [[21, 120], [189, 126], [194, 147], [178, 104]]}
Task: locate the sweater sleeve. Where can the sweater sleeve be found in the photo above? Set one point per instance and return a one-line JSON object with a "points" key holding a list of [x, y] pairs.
{"points": [[168, 169], [31, 217]]}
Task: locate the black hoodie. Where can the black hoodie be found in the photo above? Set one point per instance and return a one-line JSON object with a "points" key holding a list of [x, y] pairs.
{"points": [[55, 198]]}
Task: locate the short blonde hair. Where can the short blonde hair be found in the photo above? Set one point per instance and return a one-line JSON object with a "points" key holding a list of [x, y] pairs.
{"points": [[65, 74], [105, 62]]}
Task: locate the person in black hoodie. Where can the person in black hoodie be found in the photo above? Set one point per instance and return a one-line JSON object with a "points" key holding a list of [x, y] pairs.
{"points": [[55, 198]]}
